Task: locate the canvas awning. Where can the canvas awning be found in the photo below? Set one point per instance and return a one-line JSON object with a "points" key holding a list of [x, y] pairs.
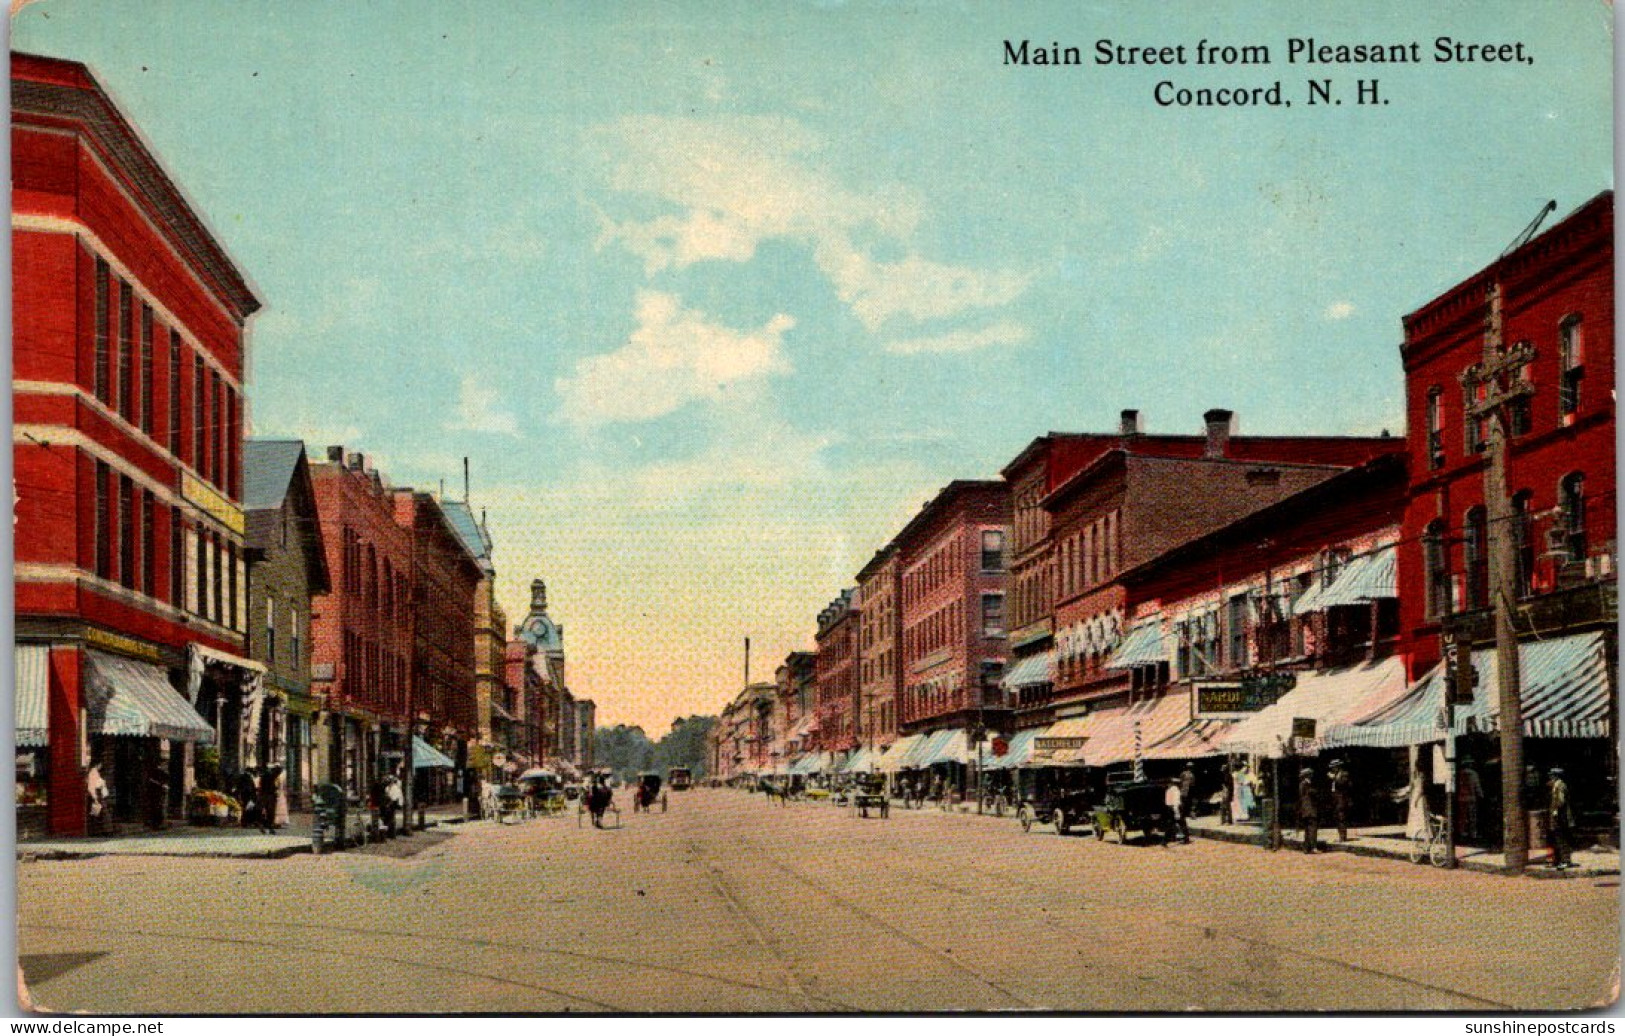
{"points": [[426, 756], [1367, 578], [1063, 743], [861, 761], [1032, 671], [1197, 739], [1143, 645], [1326, 696], [1143, 723], [134, 699], [1016, 756], [1564, 691], [898, 753], [945, 746], [32, 685]]}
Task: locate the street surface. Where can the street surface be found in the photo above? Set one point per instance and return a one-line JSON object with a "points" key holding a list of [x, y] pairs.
{"points": [[729, 903]]}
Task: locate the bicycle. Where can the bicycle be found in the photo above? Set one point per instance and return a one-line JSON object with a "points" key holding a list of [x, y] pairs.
{"points": [[1430, 843]]}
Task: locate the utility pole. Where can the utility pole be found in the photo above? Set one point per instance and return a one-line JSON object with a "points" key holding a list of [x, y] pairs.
{"points": [[1501, 375]]}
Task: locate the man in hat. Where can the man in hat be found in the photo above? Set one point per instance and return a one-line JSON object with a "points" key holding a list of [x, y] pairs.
{"points": [[1562, 820], [1340, 798], [1309, 810], [1187, 798]]}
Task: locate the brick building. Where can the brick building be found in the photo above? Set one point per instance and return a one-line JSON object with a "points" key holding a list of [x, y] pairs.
{"points": [[287, 569], [836, 675], [796, 683], [880, 631], [493, 698], [129, 348]]}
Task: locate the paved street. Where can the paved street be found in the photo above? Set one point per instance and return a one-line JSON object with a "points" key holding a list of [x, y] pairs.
{"points": [[727, 903]]}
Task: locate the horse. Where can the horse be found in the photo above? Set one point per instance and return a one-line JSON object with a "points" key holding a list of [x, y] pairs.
{"points": [[776, 791]]}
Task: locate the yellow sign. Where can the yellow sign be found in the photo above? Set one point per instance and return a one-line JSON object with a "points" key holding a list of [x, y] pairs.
{"points": [[123, 645], [212, 503]]}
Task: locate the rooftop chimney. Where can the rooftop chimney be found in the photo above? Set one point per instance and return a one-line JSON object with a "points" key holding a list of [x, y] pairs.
{"points": [[1220, 425], [1129, 423], [355, 461], [335, 455]]}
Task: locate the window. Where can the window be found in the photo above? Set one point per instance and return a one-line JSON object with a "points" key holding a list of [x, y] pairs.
{"points": [[102, 374], [174, 393], [126, 357], [1476, 547], [992, 550], [1523, 542], [202, 570], [1571, 352], [104, 552], [1519, 409], [217, 613], [126, 532], [1436, 563], [1475, 427], [1435, 419], [1572, 501], [228, 448], [232, 618], [217, 421], [1236, 625], [177, 558], [992, 615], [270, 630], [198, 436], [149, 552], [147, 387]]}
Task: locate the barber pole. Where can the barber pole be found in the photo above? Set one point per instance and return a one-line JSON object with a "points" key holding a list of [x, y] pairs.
{"points": [[1139, 756]]}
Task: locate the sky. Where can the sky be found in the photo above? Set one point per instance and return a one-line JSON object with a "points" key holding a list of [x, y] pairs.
{"points": [[715, 295]]}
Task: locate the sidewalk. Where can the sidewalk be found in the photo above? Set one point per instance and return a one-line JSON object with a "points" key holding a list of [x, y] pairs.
{"points": [[229, 842], [1390, 842]]}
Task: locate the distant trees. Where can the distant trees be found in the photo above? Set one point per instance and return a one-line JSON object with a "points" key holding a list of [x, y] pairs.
{"points": [[628, 751]]}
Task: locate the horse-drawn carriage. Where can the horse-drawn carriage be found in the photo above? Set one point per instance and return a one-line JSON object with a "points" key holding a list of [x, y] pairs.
{"points": [[681, 778], [647, 793], [869, 792]]}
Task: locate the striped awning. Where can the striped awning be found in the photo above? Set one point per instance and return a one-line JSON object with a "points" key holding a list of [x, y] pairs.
{"points": [[1143, 646], [1147, 722], [861, 761], [1367, 578], [1198, 739], [945, 746], [1063, 743], [426, 756], [1564, 691], [897, 754], [1327, 696], [1020, 750], [127, 698], [32, 684], [1032, 671]]}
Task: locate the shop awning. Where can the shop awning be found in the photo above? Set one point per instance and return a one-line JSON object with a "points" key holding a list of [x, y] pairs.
{"points": [[499, 712], [33, 690], [861, 761], [1020, 750], [945, 746], [1367, 578], [133, 699], [807, 725], [896, 755], [1144, 724], [1142, 646], [1063, 743], [1032, 671], [1198, 739], [425, 755], [1564, 691], [1328, 697]]}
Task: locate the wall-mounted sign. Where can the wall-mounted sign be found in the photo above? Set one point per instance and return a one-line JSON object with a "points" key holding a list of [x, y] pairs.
{"points": [[1058, 744], [122, 645], [1238, 699]]}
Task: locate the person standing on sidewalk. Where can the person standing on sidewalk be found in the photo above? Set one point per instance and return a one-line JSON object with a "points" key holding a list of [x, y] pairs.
{"points": [[1340, 798], [1309, 810], [1469, 795], [1174, 802], [1562, 820], [1187, 798]]}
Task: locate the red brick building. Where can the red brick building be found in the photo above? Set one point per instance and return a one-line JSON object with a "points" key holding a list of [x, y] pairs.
{"points": [[128, 359], [954, 632], [1557, 300], [880, 629], [795, 683], [836, 676]]}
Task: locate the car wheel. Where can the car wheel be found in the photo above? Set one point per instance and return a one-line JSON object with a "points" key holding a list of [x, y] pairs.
{"points": [[1063, 824], [1026, 818]]}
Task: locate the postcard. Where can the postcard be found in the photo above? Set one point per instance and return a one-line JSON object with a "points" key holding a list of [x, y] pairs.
{"points": [[813, 508]]}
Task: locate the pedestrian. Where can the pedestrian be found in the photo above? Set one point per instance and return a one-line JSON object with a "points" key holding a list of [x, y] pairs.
{"points": [[157, 796], [1174, 802], [384, 798], [1187, 798], [1469, 795], [1309, 810], [270, 778], [1227, 806], [395, 795], [246, 789], [1562, 820], [1340, 798], [96, 790]]}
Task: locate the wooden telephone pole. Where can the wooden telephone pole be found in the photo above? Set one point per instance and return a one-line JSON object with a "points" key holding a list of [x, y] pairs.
{"points": [[1503, 385]]}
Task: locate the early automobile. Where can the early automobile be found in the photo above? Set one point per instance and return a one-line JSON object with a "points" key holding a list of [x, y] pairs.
{"points": [[681, 778], [1064, 809], [1135, 806]]}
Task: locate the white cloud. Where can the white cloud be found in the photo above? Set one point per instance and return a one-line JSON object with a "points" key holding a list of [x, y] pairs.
{"points": [[735, 183], [964, 341], [1340, 310], [479, 410], [675, 356]]}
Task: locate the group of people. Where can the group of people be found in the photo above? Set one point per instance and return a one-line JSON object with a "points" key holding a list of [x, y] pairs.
{"points": [[261, 796]]}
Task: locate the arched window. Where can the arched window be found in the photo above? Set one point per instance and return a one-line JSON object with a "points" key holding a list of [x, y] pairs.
{"points": [[1571, 498], [1571, 358], [1523, 542], [1435, 424], [1476, 547], [1436, 564]]}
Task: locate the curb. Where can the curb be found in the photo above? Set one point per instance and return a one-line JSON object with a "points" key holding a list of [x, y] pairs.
{"points": [[1289, 844]]}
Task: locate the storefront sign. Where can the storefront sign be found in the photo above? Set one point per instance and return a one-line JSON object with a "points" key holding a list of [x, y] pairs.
{"points": [[122, 645], [1058, 744], [1238, 699], [212, 503]]}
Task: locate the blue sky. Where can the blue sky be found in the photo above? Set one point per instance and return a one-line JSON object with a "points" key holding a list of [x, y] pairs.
{"points": [[715, 295]]}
